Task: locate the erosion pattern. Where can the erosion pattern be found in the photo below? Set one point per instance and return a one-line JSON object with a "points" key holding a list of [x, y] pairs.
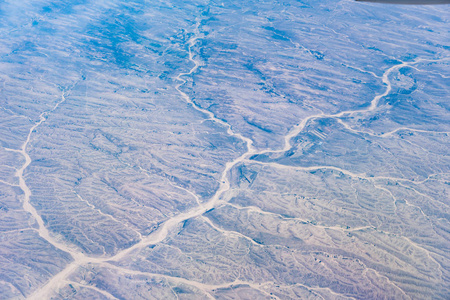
{"points": [[224, 150]]}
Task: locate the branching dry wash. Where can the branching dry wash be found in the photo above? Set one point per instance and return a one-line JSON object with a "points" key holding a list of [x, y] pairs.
{"points": [[283, 164]]}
